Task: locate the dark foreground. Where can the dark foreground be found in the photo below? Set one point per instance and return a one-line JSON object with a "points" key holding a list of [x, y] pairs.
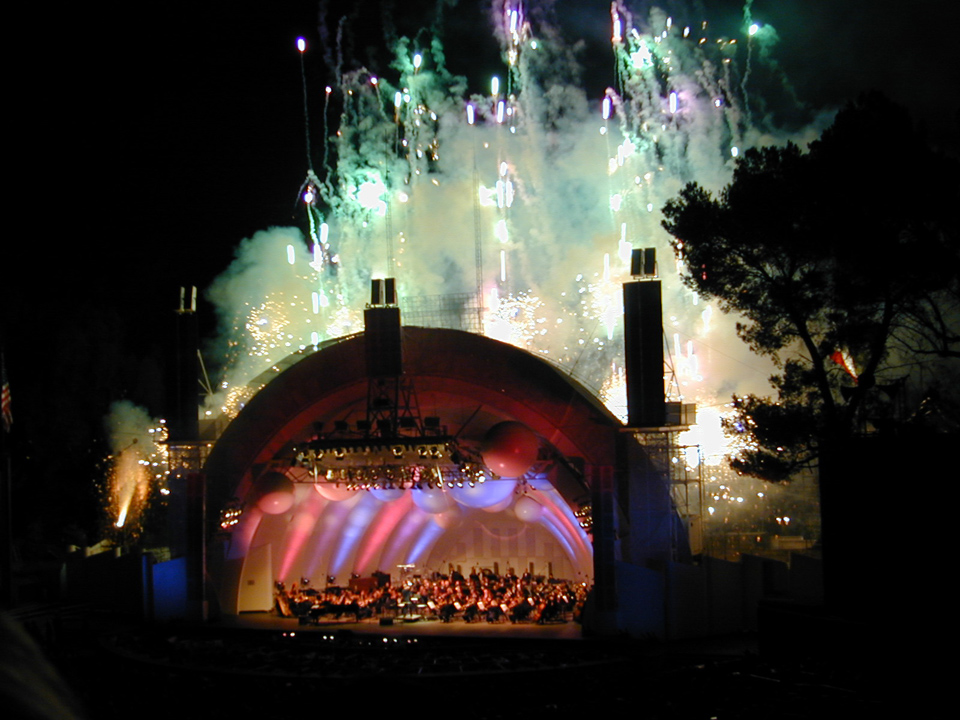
{"points": [[269, 670]]}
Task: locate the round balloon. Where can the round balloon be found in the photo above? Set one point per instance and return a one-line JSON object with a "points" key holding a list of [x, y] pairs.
{"points": [[431, 500], [500, 506], [528, 509], [274, 493], [510, 449], [336, 493], [449, 518], [484, 495]]}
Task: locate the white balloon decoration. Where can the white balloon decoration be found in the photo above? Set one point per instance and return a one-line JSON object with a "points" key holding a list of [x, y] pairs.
{"points": [[449, 518], [336, 493], [528, 509], [484, 495], [274, 493], [431, 500]]}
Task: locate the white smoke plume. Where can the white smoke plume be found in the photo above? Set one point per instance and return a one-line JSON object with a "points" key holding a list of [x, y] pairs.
{"points": [[556, 188]]}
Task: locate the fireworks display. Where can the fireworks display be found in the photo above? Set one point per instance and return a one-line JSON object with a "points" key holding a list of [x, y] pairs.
{"points": [[529, 194]]}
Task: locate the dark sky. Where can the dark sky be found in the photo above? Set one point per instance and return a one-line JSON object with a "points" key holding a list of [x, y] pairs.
{"points": [[156, 136], [189, 121], [178, 129], [160, 135]]}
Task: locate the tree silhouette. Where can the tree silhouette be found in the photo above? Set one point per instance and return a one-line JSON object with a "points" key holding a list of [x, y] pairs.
{"points": [[837, 260]]}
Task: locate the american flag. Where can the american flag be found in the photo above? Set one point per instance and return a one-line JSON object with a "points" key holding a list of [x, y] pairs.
{"points": [[5, 400]]}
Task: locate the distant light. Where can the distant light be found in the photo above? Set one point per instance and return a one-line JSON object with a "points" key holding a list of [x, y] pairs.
{"points": [[495, 85], [417, 61], [291, 255], [734, 151], [673, 102], [301, 44], [754, 29]]}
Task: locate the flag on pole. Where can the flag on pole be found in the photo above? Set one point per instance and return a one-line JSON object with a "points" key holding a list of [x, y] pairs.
{"points": [[5, 401]]}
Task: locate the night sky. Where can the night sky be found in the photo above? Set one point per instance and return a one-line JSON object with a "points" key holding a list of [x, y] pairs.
{"points": [[159, 135], [190, 123]]}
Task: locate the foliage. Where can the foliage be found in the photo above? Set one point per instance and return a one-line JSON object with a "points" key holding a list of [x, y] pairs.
{"points": [[846, 252]]}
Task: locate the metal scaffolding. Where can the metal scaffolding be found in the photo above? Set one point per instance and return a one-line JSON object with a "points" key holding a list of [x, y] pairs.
{"points": [[459, 311], [680, 466]]}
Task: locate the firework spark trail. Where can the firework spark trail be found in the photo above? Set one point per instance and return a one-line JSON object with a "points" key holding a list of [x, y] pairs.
{"points": [[302, 48], [563, 187]]}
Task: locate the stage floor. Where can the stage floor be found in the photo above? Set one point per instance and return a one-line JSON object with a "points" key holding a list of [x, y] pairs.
{"points": [[269, 621]]}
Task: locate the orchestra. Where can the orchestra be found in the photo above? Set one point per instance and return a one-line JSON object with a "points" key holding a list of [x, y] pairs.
{"points": [[484, 596]]}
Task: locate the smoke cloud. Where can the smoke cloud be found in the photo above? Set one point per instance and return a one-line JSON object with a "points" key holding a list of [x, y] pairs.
{"points": [[551, 187]]}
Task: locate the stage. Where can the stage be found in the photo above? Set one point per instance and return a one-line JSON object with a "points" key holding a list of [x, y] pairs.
{"points": [[423, 628]]}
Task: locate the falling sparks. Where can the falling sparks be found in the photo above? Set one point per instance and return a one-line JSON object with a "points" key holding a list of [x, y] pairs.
{"points": [[614, 392], [516, 320], [237, 398], [266, 325], [430, 184]]}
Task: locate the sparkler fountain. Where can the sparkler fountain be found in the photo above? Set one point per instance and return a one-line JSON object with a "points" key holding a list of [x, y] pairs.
{"points": [[138, 466]]}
